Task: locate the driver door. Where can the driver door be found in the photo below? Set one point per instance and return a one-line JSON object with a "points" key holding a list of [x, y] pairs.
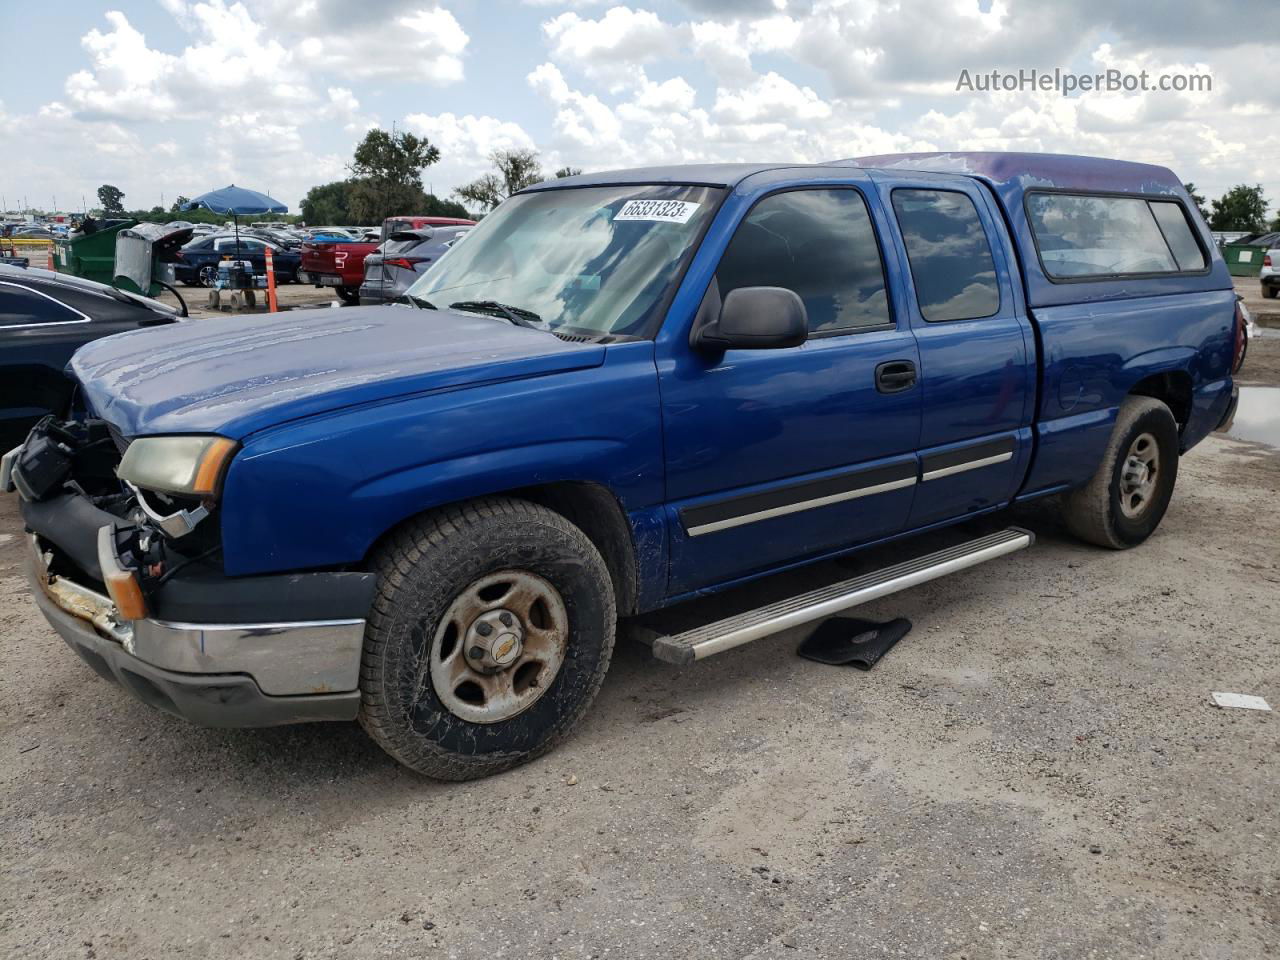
{"points": [[775, 456]]}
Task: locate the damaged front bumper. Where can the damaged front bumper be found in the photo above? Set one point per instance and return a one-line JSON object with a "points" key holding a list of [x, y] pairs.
{"points": [[213, 674], [178, 633]]}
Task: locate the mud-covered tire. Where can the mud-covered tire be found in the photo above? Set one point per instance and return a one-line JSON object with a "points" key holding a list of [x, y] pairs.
{"points": [[1094, 512], [423, 569]]}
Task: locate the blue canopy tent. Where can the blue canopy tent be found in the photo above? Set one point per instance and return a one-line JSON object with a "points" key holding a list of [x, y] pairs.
{"points": [[236, 201]]}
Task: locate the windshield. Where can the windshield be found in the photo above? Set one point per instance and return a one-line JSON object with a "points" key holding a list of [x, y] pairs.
{"points": [[593, 260]]}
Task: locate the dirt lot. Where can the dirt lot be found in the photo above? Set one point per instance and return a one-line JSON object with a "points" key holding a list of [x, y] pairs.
{"points": [[1036, 771]]}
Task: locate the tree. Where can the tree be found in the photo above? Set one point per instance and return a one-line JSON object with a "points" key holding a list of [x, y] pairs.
{"points": [[1240, 208], [179, 204], [513, 171], [567, 172], [387, 175], [328, 203], [110, 197], [398, 158], [1197, 199]]}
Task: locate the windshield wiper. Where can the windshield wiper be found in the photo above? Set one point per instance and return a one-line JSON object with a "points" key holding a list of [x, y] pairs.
{"points": [[419, 302], [517, 315]]}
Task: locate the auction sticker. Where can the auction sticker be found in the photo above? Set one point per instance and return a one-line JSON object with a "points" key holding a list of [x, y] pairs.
{"points": [[660, 211]]}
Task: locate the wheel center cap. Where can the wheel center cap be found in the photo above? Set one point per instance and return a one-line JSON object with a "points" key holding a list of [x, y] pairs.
{"points": [[495, 640]]}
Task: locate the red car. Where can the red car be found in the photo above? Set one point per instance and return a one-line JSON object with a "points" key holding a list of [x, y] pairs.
{"points": [[340, 264]]}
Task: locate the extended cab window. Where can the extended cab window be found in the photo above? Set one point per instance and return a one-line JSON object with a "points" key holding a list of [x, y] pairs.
{"points": [[21, 307], [1093, 236], [1177, 232], [819, 243], [950, 254]]}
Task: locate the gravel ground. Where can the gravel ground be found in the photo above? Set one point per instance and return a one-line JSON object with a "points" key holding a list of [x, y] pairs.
{"points": [[1036, 771]]}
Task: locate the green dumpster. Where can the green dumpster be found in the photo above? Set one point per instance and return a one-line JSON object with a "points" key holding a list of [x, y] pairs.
{"points": [[90, 255], [1242, 259]]}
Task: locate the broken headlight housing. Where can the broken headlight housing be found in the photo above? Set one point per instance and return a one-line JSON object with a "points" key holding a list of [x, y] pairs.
{"points": [[188, 466], [176, 469]]}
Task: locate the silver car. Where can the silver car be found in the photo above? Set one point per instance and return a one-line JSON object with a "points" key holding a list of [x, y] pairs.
{"points": [[391, 269]]}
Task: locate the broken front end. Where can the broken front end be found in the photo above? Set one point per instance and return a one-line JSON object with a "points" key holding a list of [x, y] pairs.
{"points": [[125, 563]]}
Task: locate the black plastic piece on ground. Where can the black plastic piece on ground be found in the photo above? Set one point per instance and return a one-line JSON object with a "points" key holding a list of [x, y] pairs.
{"points": [[858, 643]]}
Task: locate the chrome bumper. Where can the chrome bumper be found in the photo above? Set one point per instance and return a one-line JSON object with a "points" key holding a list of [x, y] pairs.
{"points": [[289, 672]]}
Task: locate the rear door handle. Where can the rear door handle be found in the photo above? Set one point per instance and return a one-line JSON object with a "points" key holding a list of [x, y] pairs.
{"points": [[895, 376]]}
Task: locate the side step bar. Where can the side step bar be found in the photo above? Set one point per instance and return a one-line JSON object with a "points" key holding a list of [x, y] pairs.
{"points": [[823, 602]]}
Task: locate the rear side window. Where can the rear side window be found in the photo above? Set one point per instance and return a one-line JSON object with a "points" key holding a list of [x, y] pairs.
{"points": [[1093, 236], [20, 307], [950, 254], [819, 243], [1172, 220]]}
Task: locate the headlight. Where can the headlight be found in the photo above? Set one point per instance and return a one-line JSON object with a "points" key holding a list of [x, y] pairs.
{"points": [[186, 466]]}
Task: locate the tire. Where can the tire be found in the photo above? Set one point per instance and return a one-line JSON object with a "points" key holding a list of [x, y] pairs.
{"points": [[1270, 292], [440, 580], [1118, 508], [349, 295], [206, 276]]}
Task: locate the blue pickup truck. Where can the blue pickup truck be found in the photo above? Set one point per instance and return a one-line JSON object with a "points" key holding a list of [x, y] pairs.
{"points": [[622, 391]]}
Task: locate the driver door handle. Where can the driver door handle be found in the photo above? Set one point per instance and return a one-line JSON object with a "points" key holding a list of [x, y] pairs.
{"points": [[895, 376]]}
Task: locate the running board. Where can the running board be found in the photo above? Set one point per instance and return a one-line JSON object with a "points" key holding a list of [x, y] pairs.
{"points": [[819, 604]]}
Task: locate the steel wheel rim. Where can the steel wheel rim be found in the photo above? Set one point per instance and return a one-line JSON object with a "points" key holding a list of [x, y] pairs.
{"points": [[488, 677], [1139, 476]]}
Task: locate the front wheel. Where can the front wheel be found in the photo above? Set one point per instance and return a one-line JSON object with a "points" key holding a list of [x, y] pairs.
{"points": [[1125, 500], [490, 634]]}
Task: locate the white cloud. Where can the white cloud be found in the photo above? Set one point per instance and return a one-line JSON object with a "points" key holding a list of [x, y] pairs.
{"points": [[296, 82], [622, 34], [425, 45]]}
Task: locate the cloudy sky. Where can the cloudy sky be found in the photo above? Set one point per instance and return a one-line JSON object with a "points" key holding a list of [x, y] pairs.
{"points": [[168, 97]]}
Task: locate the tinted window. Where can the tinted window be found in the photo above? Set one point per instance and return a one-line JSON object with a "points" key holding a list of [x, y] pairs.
{"points": [[20, 306], [1082, 236], [819, 243], [246, 243], [950, 255], [1177, 232]]}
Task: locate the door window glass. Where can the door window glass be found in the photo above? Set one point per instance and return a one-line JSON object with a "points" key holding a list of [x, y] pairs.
{"points": [[950, 254], [820, 244]]}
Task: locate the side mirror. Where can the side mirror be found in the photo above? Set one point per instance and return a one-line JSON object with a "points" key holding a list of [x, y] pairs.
{"points": [[757, 318]]}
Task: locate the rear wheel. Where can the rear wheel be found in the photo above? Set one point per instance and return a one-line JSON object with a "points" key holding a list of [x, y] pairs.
{"points": [[1270, 292], [349, 295], [1125, 500], [490, 635], [207, 276]]}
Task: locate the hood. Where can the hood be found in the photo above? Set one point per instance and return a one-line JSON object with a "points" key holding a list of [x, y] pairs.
{"points": [[236, 375]]}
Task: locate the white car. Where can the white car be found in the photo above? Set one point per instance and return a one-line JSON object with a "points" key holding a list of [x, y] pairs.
{"points": [[1270, 274]]}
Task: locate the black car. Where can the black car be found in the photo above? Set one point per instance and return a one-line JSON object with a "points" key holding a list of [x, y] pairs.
{"points": [[197, 262], [44, 318]]}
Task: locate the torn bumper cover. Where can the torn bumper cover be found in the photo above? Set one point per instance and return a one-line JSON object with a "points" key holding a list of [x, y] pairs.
{"points": [[264, 669]]}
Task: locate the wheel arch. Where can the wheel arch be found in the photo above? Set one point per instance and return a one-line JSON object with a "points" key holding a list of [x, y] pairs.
{"points": [[1173, 388], [592, 508]]}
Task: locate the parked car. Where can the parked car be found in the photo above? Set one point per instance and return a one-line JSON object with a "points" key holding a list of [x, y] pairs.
{"points": [[340, 264], [197, 263], [33, 233], [1269, 275], [396, 265], [622, 391], [44, 318]]}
